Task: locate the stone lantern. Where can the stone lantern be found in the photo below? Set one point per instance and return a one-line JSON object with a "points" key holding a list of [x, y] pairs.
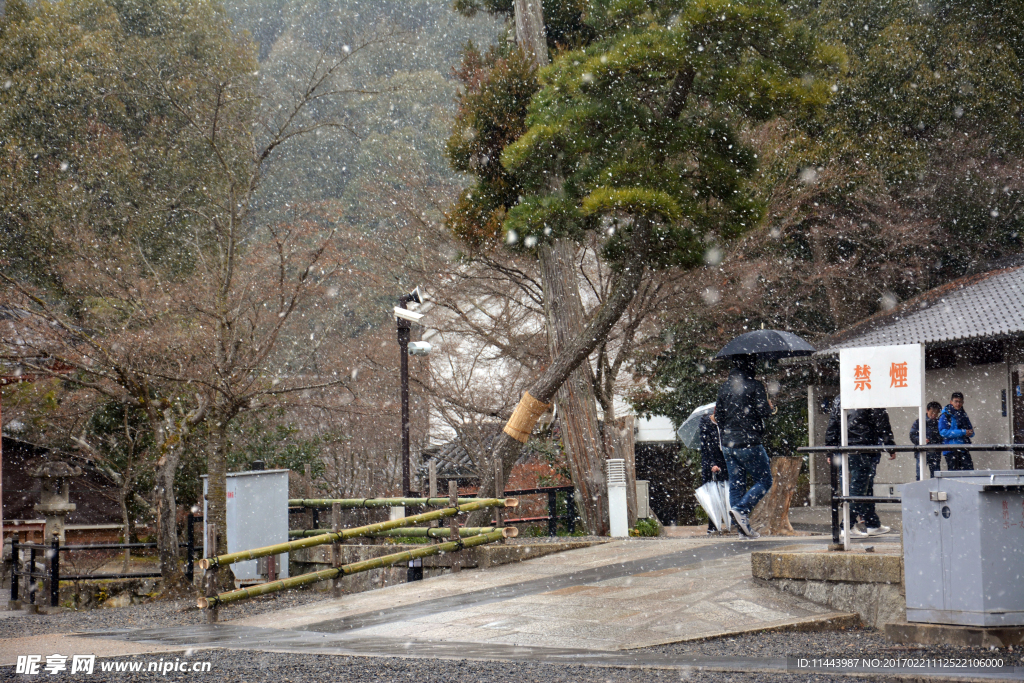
{"points": [[54, 504]]}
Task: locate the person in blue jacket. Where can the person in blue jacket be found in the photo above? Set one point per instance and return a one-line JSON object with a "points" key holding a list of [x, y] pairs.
{"points": [[956, 428]]}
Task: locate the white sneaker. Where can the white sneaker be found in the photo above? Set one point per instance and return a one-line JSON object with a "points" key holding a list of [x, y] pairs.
{"points": [[856, 533], [878, 531]]}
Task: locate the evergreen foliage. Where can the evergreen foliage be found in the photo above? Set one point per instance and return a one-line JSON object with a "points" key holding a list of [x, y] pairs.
{"points": [[644, 122]]}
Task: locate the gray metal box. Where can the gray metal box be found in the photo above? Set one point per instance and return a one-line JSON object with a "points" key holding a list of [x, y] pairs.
{"points": [[257, 515], [963, 548]]}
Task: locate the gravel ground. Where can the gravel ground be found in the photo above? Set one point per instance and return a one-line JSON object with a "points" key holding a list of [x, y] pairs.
{"points": [[158, 614], [859, 642], [251, 667]]}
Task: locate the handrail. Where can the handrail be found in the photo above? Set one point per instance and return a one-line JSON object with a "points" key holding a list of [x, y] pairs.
{"points": [[333, 537], [209, 602], [836, 500], [912, 448]]}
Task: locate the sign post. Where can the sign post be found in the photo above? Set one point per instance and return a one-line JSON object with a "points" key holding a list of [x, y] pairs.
{"points": [[880, 377]]}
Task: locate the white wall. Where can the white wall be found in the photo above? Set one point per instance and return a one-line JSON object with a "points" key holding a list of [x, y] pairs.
{"points": [[982, 387]]}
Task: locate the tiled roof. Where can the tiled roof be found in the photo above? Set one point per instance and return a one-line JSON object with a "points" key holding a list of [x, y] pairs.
{"points": [[984, 306], [453, 462]]}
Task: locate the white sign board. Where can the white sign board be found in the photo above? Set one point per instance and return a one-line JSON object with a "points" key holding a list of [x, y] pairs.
{"points": [[882, 376], [257, 515]]}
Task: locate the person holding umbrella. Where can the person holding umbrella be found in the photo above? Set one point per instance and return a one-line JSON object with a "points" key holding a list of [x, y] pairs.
{"points": [[741, 409]]}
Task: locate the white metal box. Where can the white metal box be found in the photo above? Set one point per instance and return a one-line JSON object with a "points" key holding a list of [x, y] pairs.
{"points": [[257, 515]]}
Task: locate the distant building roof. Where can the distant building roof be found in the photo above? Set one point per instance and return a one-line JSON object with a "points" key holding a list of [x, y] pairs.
{"points": [[988, 305]]}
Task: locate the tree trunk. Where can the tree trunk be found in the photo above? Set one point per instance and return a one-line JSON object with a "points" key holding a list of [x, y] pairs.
{"points": [[577, 403], [530, 33], [217, 482], [506, 447], [171, 435], [123, 500], [772, 513], [167, 514]]}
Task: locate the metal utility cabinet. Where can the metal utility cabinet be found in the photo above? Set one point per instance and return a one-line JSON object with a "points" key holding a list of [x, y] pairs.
{"points": [[257, 515], [963, 548]]}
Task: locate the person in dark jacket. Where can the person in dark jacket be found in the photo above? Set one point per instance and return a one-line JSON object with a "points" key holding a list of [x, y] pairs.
{"points": [[865, 427], [931, 435], [956, 428], [741, 409], [712, 462]]}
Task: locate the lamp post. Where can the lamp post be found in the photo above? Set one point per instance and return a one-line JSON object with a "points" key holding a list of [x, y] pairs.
{"points": [[404, 318]]}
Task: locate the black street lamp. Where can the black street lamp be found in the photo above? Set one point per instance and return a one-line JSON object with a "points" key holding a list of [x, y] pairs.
{"points": [[404, 318]]}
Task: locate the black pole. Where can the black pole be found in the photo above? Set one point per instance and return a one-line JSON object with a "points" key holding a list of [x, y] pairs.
{"points": [[552, 513], [834, 466], [15, 561], [190, 549], [570, 512], [31, 579], [403, 345], [55, 571]]}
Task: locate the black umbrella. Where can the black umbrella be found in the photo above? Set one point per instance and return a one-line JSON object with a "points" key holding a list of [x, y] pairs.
{"points": [[766, 345]]}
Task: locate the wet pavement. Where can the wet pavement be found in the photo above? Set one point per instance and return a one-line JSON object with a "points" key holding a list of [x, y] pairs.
{"points": [[598, 606]]}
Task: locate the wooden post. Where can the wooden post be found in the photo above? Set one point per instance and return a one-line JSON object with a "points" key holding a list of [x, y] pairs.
{"points": [[336, 549], [453, 523], [432, 491], [499, 492], [210, 576], [308, 481]]}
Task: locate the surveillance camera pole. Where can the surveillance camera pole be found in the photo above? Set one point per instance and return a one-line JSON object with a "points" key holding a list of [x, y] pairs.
{"points": [[404, 330]]}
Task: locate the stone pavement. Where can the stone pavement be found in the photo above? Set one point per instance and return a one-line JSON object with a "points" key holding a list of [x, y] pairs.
{"points": [[617, 596]]}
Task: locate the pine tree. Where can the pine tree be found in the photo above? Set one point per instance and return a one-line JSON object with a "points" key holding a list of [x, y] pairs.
{"points": [[638, 135]]}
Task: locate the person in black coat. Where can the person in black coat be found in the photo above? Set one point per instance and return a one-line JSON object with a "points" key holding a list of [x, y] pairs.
{"points": [[740, 410], [931, 435], [712, 462], [864, 427]]}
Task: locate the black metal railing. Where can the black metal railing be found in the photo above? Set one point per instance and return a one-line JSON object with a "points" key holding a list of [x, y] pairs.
{"points": [[838, 499], [51, 557], [552, 517]]}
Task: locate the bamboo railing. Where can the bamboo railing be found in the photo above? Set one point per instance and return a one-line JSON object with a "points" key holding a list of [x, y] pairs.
{"points": [[411, 532], [333, 537], [353, 568], [352, 503]]}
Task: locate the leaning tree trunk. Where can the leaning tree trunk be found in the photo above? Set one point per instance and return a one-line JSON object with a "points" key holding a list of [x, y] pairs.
{"points": [[563, 309], [542, 390], [577, 403]]}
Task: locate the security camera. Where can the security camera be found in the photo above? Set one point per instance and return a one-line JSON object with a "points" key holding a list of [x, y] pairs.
{"points": [[420, 348], [406, 314], [413, 297]]}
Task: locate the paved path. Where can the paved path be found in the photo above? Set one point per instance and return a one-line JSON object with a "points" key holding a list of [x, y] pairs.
{"points": [[607, 598]]}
